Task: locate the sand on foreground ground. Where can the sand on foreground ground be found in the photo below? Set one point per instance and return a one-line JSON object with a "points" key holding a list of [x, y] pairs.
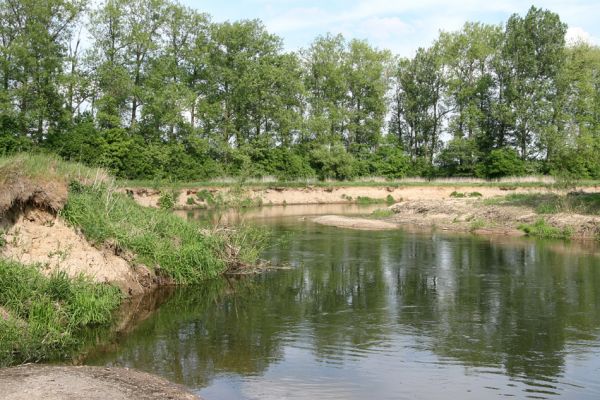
{"points": [[33, 382]]}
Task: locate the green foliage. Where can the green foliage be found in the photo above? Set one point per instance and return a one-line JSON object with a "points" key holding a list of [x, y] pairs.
{"points": [[167, 200], [364, 200], [160, 239], [502, 162], [333, 162], [172, 95], [574, 202], [542, 229], [47, 313], [475, 194], [457, 195], [382, 213]]}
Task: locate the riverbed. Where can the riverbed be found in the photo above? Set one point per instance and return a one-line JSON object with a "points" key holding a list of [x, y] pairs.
{"points": [[381, 315]]}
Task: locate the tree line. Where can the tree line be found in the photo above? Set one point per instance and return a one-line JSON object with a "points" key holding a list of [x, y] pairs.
{"points": [[153, 89]]}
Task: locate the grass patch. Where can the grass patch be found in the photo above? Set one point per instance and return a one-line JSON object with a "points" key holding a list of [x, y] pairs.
{"points": [[159, 239], [47, 168], [382, 213], [550, 203], [364, 200], [461, 195], [542, 229], [43, 315], [477, 224]]}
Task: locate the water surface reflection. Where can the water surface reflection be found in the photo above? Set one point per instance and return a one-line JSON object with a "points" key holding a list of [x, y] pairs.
{"points": [[384, 315]]}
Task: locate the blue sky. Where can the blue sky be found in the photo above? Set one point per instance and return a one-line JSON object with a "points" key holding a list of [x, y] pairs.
{"points": [[401, 26]]}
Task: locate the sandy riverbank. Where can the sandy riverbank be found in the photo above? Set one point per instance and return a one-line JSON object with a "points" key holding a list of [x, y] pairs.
{"points": [[470, 215], [188, 198], [36, 382]]}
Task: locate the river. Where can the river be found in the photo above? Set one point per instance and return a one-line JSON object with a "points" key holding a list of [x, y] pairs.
{"points": [[381, 315]]}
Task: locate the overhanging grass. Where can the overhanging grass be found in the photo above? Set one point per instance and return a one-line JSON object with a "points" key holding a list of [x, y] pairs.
{"points": [[158, 238], [47, 168], [45, 314]]}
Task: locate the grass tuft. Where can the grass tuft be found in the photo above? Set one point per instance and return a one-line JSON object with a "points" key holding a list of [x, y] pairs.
{"points": [[160, 239], [43, 315], [542, 229]]}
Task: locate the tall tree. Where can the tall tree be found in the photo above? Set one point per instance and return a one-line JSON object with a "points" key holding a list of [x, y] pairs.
{"points": [[534, 52]]}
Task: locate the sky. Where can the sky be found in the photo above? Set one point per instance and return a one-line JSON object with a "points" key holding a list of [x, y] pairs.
{"points": [[401, 26]]}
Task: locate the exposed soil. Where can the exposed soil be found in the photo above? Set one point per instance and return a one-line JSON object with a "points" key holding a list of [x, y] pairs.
{"points": [[475, 216], [40, 237], [355, 223], [33, 382], [326, 195], [19, 193]]}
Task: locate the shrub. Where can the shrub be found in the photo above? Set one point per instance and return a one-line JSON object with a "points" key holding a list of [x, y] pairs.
{"points": [[167, 200], [503, 162]]}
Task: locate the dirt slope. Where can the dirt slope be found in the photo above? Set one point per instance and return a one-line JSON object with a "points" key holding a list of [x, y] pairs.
{"points": [[40, 237]]}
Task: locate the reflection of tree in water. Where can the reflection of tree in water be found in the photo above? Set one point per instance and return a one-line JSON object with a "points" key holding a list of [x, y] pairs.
{"points": [[508, 306], [483, 304]]}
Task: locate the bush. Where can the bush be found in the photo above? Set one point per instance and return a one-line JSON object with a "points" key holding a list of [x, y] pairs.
{"points": [[167, 200], [502, 162], [333, 162]]}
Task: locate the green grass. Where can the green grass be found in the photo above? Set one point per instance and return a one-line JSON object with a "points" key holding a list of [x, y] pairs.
{"points": [[542, 229], [45, 314], [382, 213], [159, 239], [550, 203], [364, 200], [477, 224], [226, 183], [48, 168]]}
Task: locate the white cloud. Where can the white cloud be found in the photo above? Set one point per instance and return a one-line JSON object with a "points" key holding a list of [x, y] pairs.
{"points": [[402, 26], [576, 34]]}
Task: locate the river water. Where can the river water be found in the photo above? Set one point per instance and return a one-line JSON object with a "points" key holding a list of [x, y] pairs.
{"points": [[382, 315]]}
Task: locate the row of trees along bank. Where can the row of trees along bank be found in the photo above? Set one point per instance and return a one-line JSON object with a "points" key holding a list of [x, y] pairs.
{"points": [[152, 89]]}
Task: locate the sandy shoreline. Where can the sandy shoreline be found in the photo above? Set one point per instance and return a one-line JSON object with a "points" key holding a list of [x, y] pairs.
{"points": [[355, 223], [188, 198], [36, 382]]}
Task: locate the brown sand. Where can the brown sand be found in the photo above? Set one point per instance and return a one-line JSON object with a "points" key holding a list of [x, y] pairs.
{"points": [[355, 223], [39, 237], [36, 382]]}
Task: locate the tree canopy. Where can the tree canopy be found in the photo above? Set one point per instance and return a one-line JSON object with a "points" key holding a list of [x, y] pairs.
{"points": [[153, 89]]}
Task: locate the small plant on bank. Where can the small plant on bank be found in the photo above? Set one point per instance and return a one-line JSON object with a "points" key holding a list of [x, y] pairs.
{"points": [[477, 224], [382, 213], [206, 196], [390, 199], [167, 200], [368, 200], [475, 194], [542, 229], [457, 195], [190, 201]]}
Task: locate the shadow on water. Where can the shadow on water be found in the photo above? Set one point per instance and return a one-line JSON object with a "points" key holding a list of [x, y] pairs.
{"points": [[382, 315]]}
